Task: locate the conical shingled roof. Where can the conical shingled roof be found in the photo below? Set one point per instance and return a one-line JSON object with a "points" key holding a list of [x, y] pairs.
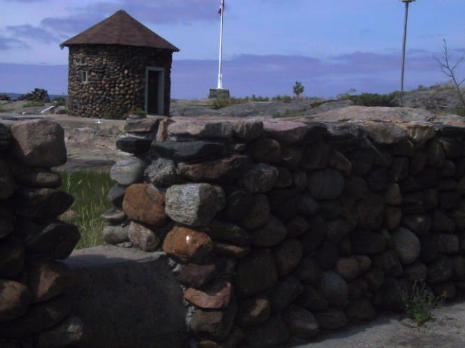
{"points": [[120, 29]]}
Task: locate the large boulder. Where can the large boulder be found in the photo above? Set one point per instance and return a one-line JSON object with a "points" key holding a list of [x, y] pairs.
{"points": [[260, 178], [326, 184], [41, 202], [250, 278], [301, 322], [407, 245], [145, 203], [194, 204], [39, 143], [128, 171], [186, 244], [334, 289], [14, 299]]}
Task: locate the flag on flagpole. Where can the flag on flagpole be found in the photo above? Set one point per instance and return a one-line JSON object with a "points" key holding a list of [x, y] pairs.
{"points": [[220, 11]]}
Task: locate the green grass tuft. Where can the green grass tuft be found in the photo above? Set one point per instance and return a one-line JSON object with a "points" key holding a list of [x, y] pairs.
{"points": [[89, 190], [419, 303]]}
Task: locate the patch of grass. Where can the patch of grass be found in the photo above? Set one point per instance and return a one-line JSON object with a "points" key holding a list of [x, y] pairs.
{"points": [[286, 113], [89, 190], [3, 109], [374, 99], [284, 98], [419, 303], [219, 103], [138, 112], [458, 111], [33, 104]]}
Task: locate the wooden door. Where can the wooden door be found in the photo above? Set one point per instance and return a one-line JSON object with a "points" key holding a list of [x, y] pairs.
{"points": [[153, 93]]}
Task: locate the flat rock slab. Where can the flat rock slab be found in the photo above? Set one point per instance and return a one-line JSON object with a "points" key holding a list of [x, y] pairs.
{"points": [[127, 298]]}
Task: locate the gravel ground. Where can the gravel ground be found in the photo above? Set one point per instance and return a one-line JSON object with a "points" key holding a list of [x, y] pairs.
{"points": [[445, 330]]}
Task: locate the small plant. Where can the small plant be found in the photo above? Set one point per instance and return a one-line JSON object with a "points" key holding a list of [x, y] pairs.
{"points": [[59, 101], [298, 89], [419, 303]]}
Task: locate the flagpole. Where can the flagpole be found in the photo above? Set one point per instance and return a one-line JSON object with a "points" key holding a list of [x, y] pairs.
{"points": [[220, 61]]}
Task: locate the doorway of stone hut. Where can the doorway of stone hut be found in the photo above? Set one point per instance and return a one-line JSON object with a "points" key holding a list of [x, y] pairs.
{"points": [[154, 90]]}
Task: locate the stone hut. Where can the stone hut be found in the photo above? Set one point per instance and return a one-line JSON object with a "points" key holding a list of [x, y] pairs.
{"points": [[118, 65]]}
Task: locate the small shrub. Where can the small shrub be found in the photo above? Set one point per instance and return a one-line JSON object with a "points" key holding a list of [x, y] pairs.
{"points": [[219, 103], [33, 104], [419, 303], [298, 89], [138, 112], [59, 101], [374, 99], [316, 104]]}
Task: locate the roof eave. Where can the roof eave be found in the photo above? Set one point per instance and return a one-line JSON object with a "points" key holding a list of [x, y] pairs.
{"points": [[67, 44]]}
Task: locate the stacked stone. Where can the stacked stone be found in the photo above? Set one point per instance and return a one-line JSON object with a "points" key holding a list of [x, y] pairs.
{"points": [[34, 305], [283, 229]]}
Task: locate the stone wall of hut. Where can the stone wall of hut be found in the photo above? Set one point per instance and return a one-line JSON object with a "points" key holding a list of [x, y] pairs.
{"points": [[281, 230], [115, 79]]}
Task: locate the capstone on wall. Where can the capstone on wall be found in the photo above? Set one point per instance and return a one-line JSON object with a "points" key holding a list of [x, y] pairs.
{"points": [[115, 79]]}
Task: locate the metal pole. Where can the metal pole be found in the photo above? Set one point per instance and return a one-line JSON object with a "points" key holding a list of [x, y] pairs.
{"points": [[220, 62], [403, 54]]}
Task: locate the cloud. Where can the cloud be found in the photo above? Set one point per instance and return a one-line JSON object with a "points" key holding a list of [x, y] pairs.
{"points": [[265, 75], [27, 31], [7, 43], [154, 12]]}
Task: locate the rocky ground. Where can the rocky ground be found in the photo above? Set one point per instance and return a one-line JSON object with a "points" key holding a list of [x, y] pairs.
{"points": [[393, 331]]}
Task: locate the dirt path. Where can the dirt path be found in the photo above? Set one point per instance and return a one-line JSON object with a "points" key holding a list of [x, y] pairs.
{"points": [[445, 330]]}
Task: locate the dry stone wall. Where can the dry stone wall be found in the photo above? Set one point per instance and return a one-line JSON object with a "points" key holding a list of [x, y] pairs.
{"points": [[115, 79], [34, 283], [281, 230]]}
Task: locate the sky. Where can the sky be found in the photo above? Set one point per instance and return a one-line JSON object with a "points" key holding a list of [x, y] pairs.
{"points": [[329, 46]]}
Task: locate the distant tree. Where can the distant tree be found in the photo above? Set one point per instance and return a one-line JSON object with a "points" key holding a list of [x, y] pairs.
{"points": [[298, 89], [449, 68]]}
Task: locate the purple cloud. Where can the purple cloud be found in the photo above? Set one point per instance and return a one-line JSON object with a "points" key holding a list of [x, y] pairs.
{"points": [[157, 11], [28, 31], [7, 43]]}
